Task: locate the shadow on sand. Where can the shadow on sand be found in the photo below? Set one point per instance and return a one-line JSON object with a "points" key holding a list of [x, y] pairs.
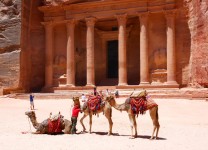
{"points": [[148, 137], [117, 134]]}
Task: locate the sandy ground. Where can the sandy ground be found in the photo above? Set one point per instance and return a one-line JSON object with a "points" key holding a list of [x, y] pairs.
{"points": [[184, 126]]}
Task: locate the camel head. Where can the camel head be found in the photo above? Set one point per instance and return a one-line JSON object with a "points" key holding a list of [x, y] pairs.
{"points": [[110, 99], [30, 114]]}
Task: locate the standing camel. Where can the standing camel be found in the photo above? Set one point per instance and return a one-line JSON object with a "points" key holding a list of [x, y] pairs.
{"points": [[104, 108], [43, 127], [151, 106]]}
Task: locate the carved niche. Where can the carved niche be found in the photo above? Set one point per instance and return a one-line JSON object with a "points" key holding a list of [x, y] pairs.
{"points": [[159, 74]]}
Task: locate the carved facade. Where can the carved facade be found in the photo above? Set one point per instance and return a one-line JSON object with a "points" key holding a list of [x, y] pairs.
{"points": [[125, 43]]}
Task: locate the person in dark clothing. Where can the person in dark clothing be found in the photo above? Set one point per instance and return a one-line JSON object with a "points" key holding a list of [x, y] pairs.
{"points": [[95, 91]]}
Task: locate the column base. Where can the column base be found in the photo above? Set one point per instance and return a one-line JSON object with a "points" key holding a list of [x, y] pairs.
{"points": [[173, 84], [122, 84], [144, 84], [70, 85], [90, 85]]}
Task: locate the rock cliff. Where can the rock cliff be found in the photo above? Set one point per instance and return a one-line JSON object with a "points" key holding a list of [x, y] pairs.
{"points": [[10, 28], [198, 25]]}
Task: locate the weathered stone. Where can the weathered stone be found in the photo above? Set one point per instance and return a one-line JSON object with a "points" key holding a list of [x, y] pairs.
{"points": [[198, 24], [10, 29], [9, 69]]}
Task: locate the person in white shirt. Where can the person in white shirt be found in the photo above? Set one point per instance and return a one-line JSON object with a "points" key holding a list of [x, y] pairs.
{"points": [[83, 98]]}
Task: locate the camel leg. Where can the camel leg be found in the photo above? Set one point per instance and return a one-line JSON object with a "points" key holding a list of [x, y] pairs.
{"points": [[108, 116], [154, 117], [81, 121], [37, 132], [90, 122], [133, 125]]}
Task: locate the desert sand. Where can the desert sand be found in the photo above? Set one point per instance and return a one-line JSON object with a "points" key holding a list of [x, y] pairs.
{"points": [[184, 126]]}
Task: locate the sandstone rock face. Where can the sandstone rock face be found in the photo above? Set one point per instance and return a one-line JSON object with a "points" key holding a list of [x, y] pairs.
{"points": [[10, 29], [9, 69], [198, 24]]}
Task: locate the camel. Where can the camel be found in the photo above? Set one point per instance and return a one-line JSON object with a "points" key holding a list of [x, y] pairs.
{"points": [[153, 110], [105, 108], [43, 127]]}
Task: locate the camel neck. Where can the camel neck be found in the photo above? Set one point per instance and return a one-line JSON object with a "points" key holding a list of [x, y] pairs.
{"points": [[34, 122], [120, 107]]}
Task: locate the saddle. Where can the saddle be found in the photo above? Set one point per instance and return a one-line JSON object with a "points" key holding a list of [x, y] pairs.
{"points": [[138, 105], [54, 126], [94, 103]]}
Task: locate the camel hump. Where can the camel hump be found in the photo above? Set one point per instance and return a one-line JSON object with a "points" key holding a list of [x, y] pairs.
{"points": [[142, 93]]}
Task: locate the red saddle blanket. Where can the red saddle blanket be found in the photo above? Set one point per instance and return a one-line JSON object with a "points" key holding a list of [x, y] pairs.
{"points": [[54, 126], [138, 105], [94, 102]]}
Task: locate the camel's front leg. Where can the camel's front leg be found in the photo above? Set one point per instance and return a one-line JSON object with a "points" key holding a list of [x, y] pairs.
{"points": [[90, 123], [133, 125], [81, 121]]}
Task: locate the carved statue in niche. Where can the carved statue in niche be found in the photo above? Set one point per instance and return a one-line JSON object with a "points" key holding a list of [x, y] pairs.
{"points": [[159, 74]]}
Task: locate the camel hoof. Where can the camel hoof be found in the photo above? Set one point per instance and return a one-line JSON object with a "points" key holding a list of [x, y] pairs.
{"points": [[131, 137], [109, 134], [82, 132], [152, 138]]}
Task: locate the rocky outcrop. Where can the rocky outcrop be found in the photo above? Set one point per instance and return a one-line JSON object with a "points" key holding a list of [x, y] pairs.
{"points": [[10, 25], [198, 25], [10, 29], [9, 69]]}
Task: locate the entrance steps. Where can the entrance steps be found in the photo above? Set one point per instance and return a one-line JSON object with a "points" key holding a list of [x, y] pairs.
{"points": [[188, 93]]}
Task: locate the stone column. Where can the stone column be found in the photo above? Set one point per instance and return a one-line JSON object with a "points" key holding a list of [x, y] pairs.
{"points": [[90, 51], [144, 62], [122, 70], [171, 60], [70, 69], [49, 39]]}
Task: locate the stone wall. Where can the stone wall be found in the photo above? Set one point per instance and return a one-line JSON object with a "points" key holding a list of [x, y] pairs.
{"points": [[198, 25]]}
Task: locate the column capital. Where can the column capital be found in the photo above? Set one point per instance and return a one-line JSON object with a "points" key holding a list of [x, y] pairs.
{"points": [[170, 13], [71, 22], [90, 21], [143, 14], [143, 17], [122, 18], [48, 24]]}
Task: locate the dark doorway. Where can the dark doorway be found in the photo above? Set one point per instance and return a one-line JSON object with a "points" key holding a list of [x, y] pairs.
{"points": [[112, 59]]}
